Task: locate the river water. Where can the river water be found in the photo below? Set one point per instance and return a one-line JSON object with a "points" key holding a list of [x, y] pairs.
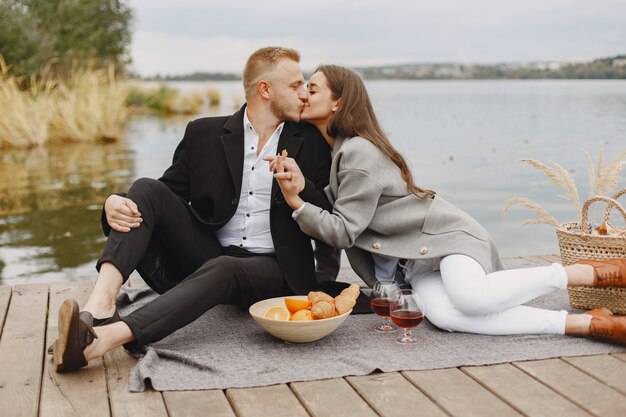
{"points": [[463, 139]]}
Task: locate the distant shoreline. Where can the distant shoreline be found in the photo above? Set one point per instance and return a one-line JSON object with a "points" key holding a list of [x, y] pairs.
{"points": [[611, 68]]}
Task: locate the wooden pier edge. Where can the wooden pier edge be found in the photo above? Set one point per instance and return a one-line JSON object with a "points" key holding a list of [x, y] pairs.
{"points": [[578, 386]]}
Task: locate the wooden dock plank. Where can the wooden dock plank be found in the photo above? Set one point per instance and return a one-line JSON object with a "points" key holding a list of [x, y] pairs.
{"points": [[124, 403], [587, 392], [516, 388], [82, 393], [197, 403], [331, 397], [21, 350], [458, 394], [274, 400], [606, 368], [5, 298], [621, 356], [551, 258], [392, 395]]}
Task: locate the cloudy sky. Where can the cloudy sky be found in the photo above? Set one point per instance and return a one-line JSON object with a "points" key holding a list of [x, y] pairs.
{"points": [[183, 36]]}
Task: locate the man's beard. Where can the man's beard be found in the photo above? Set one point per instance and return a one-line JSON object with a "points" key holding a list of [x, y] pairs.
{"points": [[278, 110]]}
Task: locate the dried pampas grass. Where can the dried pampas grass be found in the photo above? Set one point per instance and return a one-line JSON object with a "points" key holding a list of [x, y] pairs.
{"points": [[541, 215], [603, 180], [559, 177]]}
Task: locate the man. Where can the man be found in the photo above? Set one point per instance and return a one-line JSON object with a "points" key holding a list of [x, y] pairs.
{"points": [[215, 229]]}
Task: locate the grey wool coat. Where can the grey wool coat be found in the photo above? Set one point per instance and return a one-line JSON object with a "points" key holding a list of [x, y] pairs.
{"points": [[374, 213]]}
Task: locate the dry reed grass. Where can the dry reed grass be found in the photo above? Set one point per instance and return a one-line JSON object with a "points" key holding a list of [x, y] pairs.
{"points": [[91, 107], [26, 114], [184, 103], [214, 97], [165, 100], [602, 181]]}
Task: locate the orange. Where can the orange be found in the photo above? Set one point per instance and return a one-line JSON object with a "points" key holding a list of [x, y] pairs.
{"points": [[302, 315], [296, 304], [277, 313]]}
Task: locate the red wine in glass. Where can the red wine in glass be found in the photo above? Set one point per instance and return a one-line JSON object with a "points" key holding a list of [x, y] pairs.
{"points": [[382, 293], [407, 312], [406, 319], [380, 306]]}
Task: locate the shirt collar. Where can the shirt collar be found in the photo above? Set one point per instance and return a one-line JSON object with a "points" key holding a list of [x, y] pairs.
{"points": [[248, 126]]}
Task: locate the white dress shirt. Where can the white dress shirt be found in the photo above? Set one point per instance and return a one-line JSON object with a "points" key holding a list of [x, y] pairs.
{"points": [[249, 228]]}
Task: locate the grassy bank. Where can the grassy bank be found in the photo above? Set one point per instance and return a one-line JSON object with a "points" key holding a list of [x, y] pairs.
{"points": [[89, 106]]}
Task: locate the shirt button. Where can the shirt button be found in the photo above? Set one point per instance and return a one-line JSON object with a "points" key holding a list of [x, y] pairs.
{"points": [[250, 193], [423, 250], [244, 238], [253, 168], [376, 245], [247, 214], [252, 147]]}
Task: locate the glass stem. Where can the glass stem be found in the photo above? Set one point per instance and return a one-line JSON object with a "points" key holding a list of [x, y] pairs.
{"points": [[407, 334]]}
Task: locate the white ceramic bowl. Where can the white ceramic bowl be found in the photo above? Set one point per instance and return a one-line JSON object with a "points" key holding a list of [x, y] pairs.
{"points": [[294, 331]]}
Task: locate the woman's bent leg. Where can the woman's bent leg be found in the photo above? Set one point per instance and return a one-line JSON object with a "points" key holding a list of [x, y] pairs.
{"points": [[474, 292], [443, 313]]}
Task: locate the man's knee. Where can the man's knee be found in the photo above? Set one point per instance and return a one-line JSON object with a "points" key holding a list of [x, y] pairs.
{"points": [[146, 188]]}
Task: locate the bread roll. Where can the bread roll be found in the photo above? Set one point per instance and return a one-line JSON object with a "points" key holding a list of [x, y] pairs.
{"points": [[344, 303], [323, 309], [352, 291], [316, 296]]}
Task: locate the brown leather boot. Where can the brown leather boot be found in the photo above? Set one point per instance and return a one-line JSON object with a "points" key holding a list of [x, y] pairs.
{"points": [[75, 335], [607, 327], [607, 273], [600, 312]]}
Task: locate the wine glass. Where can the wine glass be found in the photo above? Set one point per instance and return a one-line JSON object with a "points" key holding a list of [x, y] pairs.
{"points": [[381, 295], [407, 311]]}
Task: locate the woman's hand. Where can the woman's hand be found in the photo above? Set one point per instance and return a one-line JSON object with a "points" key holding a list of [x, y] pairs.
{"points": [[289, 178], [122, 214]]}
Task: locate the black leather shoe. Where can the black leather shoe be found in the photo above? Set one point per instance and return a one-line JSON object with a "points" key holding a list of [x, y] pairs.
{"points": [[88, 318], [75, 334]]}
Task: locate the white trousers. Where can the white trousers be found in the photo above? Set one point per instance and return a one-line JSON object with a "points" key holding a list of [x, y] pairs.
{"points": [[462, 297]]}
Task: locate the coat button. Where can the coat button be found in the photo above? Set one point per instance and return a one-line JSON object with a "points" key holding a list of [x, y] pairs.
{"points": [[235, 201], [376, 245], [423, 250]]}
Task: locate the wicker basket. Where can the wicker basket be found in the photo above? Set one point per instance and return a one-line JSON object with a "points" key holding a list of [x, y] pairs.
{"points": [[576, 242]]}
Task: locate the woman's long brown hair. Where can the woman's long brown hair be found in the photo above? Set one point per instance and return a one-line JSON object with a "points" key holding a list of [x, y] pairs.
{"points": [[355, 117]]}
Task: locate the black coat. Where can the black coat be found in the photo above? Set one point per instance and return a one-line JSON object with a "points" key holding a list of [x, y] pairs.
{"points": [[207, 169]]}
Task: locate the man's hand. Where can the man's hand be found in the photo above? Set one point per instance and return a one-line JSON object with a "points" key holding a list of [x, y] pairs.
{"points": [[122, 214], [289, 178], [286, 170]]}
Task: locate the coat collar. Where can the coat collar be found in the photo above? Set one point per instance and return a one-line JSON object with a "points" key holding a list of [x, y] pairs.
{"points": [[233, 143]]}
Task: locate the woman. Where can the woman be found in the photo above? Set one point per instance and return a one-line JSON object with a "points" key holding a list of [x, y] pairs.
{"points": [[380, 217]]}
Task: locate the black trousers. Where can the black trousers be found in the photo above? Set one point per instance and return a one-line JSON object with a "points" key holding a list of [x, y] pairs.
{"points": [[185, 264]]}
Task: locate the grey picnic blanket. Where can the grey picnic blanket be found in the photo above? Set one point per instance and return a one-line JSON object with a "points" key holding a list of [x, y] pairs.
{"points": [[225, 348]]}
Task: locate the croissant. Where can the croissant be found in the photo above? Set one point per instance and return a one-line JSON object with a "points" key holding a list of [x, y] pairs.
{"points": [[352, 291], [323, 309], [315, 296], [343, 304]]}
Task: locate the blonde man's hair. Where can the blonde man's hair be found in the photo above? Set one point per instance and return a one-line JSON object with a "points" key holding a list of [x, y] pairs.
{"points": [[263, 61]]}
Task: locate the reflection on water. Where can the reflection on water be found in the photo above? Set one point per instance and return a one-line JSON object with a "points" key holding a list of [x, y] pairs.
{"points": [[50, 201], [462, 138]]}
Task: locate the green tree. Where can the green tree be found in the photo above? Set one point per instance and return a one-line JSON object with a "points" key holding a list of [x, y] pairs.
{"points": [[34, 32]]}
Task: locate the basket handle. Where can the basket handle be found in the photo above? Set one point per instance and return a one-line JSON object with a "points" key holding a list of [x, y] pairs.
{"points": [[607, 212], [611, 203]]}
